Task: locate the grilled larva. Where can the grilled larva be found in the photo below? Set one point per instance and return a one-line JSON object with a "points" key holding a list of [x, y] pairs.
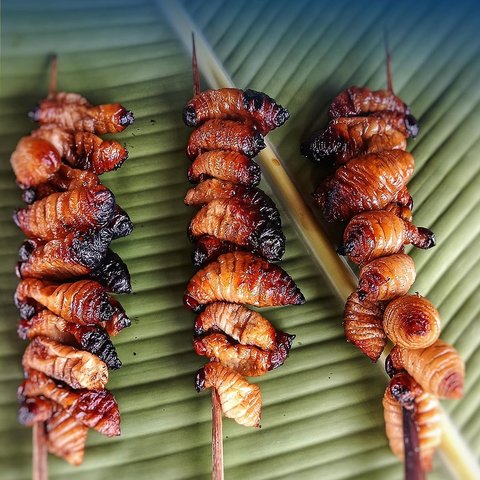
{"points": [[241, 277], [235, 221], [66, 437], [242, 324], [225, 165], [92, 338], [84, 150], [76, 368], [437, 368], [239, 399], [120, 224], [59, 214], [207, 248], [96, 409], [244, 359], [119, 319], [362, 321], [84, 302], [71, 111], [375, 234], [404, 392], [225, 135], [233, 103], [412, 322], [386, 278], [35, 409], [400, 211], [348, 137], [369, 182]]}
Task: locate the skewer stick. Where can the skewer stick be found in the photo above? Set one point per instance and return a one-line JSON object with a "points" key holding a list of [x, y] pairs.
{"points": [[53, 75], [40, 453], [389, 61], [217, 437], [413, 466], [196, 75]]}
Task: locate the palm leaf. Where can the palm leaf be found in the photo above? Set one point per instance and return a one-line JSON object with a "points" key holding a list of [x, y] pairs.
{"points": [[322, 415]]}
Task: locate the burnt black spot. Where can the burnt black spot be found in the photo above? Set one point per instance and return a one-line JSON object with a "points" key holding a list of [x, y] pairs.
{"points": [[198, 329], [95, 340], [411, 124], [200, 380], [190, 116], [281, 117], [15, 218], [428, 239], [27, 309], [90, 249], [127, 119], [26, 249], [105, 206], [389, 368], [345, 248], [269, 242], [113, 274], [280, 354], [120, 225], [253, 100], [29, 195], [254, 173], [402, 393], [199, 255], [106, 310]]}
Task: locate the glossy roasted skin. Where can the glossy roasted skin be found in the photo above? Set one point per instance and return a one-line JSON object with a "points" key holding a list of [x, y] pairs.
{"points": [[84, 302], [369, 182], [379, 233], [76, 368], [404, 392], [66, 437], [241, 277], [438, 368], [412, 322], [235, 221], [386, 278], [59, 214], [362, 321], [239, 399], [236, 104], [96, 409], [91, 338], [207, 248], [246, 326], [348, 137], [400, 211], [34, 161], [71, 111], [225, 135], [226, 165], [84, 150]]}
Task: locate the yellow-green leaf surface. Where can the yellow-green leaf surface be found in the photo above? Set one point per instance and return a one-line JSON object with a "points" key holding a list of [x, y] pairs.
{"points": [[322, 415]]}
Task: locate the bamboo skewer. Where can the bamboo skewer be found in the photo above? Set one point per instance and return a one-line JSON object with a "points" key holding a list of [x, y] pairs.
{"points": [[39, 452], [455, 452], [217, 437], [413, 466]]}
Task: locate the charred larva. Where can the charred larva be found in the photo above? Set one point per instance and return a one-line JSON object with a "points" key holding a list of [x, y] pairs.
{"points": [[239, 399], [207, 248], [241, 277]]}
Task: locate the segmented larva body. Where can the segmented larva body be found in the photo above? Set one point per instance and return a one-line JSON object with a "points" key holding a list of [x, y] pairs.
{"points": [[369, 182], [246, 326], [77, 368], [92, 338], [66, 437], [84, 302], [235, 221], [362, 321], [96, 409], [225, 135], [71, 111], [241, 277], [412, 322], [84, 150], [225, 165], [427, 417], [386, 278], [239, 399], [437, 368], [379, 233], [62, 213], [34, 161], [233, 103], [207, 248]]}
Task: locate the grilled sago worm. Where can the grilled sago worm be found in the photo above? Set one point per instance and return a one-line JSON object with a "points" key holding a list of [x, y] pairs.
{"points": [[233, 103], [427, 417], [386, 278], [400, 211], [226, 165], [369, 182], [375, 234], [244, 359], [246, 326], [84, 150], [35, 409], [241, 277], [235, 221], [239, 399], [362, 321], [225, 135], [91, 338], [96, 409], [412, 322], [62, 213], [71, 111], [439, 369], [207, 248], [76, 368]]}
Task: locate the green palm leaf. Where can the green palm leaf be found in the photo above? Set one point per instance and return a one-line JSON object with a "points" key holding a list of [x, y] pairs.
{"points": [[322, 415]]}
